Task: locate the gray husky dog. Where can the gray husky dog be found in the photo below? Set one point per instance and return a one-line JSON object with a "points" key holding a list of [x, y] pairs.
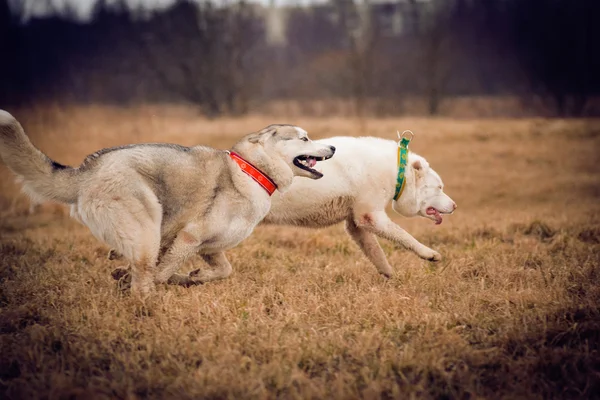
{"points": [[158, 204]]}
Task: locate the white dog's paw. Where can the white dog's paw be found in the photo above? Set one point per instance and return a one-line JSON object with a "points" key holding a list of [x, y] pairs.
{"points": [[430, 255], [386, 272]]}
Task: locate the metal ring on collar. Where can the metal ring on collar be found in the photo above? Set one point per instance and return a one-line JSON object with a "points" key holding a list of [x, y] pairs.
{"points": [[407, 133]]}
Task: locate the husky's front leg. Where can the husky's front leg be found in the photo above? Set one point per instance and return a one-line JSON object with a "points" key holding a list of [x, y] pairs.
{"points": [[123, 274], [221, 268], [184, 246], [380, 224]]}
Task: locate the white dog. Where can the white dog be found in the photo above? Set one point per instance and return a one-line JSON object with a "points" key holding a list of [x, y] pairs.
{"points": [[357, 185]]}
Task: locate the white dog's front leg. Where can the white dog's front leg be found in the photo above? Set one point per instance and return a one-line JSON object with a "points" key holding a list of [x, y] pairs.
{"points": [[381, 225], [369, 245]]}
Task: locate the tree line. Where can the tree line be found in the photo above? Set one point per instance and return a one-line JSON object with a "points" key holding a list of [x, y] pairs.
{"points": [[219, 57]]}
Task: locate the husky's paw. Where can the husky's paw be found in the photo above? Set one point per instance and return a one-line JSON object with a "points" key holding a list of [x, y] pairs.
{"points": [[183, 280], [143, 289], [199, 276], [123, 278], [119, 273], [113, 255]]}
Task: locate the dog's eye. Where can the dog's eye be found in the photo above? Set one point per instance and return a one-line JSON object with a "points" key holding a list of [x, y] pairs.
{"points": [[304, 139]]}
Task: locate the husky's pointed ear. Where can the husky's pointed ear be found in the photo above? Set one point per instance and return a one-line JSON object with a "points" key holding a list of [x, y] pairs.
{"points": [[268, 130], [255, 138], [262, 135]]}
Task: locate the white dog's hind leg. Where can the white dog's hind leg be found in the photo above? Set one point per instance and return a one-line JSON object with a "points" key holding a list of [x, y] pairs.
{"points": [[381, 225], [221, 268], [369, 245]]}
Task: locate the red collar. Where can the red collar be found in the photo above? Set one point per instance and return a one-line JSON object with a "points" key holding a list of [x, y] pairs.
{"points": [[262, 179]]}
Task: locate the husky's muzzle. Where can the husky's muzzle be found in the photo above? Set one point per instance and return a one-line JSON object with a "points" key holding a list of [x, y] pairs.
{"points": [[307, 162]]}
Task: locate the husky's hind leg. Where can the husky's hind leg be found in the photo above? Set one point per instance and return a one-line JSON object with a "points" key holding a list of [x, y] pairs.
{"points": [[128, 221]]}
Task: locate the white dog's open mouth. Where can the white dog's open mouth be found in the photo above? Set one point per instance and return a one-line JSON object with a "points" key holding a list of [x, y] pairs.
{"points": [[307, 163], [435, 214]]}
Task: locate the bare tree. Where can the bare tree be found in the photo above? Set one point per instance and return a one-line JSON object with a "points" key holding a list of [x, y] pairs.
{"points": [[198, 52], [557, 43], [435, 42], [361, 40]]}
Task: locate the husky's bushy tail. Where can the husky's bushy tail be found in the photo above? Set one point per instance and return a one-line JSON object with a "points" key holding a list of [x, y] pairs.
{"points": [[43, 179]]}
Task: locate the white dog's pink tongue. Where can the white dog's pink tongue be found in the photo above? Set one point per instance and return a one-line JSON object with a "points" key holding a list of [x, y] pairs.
{"points": [[311, 162], [436, 214]]}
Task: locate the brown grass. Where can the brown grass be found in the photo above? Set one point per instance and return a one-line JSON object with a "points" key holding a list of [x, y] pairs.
{"points": [[511, 311]]}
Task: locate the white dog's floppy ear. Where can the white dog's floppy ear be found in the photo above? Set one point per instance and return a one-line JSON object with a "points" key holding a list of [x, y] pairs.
{"points": [[420, 165]]}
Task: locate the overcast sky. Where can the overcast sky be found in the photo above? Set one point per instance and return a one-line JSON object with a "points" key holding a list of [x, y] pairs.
{"points": [[40, 8]]}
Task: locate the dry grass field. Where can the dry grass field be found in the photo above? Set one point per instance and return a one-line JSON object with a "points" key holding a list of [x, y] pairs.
{"points": [[512, 311]]}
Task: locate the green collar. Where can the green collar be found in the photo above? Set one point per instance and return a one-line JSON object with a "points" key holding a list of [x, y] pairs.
{"points": [[402, 161]]}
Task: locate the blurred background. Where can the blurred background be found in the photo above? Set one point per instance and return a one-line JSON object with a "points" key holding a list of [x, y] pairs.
{"points": [[503, 97], [501, 58]]}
